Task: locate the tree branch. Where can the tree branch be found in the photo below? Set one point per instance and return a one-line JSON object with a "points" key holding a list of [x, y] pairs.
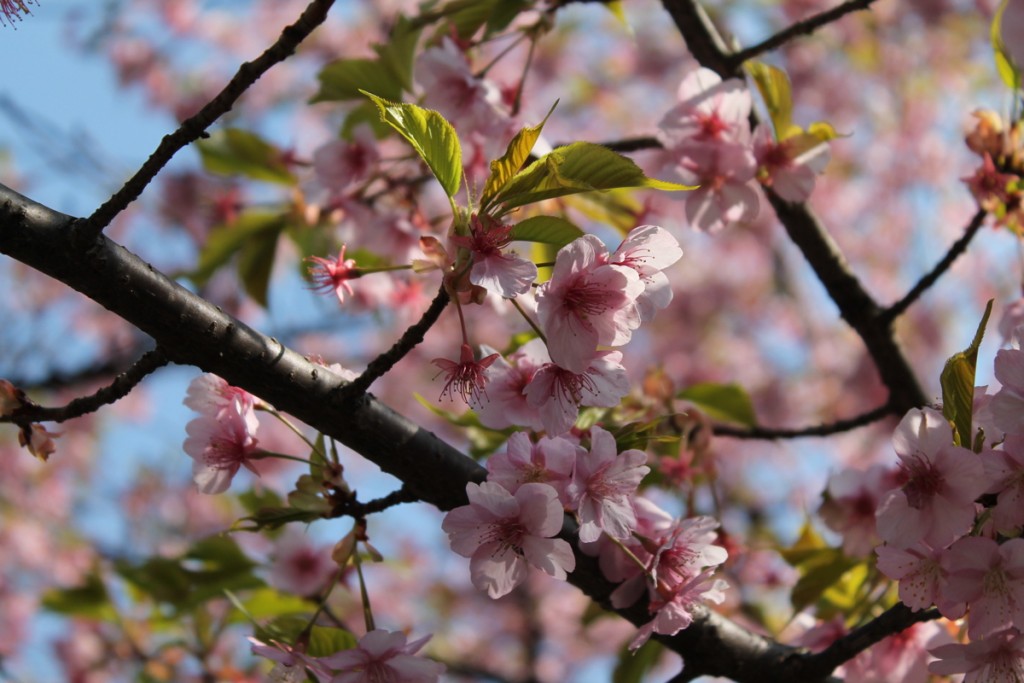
{"points": [[387, 360], [800, 28], [960, 246], [116, 390], [190, 330], [804, 228], [817, 430], [195, 126]]}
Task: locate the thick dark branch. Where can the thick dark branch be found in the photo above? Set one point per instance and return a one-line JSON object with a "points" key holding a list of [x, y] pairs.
{"points": [[190, 330], [116, 390], [800, 28], [385, 361], [849, 646], [959, 247], [195, 126], [826, 429]]}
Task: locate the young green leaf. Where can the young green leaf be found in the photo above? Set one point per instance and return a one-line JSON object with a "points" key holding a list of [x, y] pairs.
{"points": [[431, 136], [224, 241], [578, 167], [546, 229], [389, 74], [255, 261], [233, 151], [727, 402], [957, 382], [516, 154], [1008, 71]]}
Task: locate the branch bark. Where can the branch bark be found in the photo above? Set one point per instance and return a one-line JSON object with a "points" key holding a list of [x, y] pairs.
{"points": [[190, 330]]}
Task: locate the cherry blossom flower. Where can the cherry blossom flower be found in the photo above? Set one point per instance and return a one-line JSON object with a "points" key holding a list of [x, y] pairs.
{"points": [[468, 377], [998, 658], [936, 504], [680, 553], [602, 487], [549, 461], [709, 109], [851, 499], [505, 404], [674, 612], [299, 566], [649, 249], [219, 445], [1008, 404], [989, 577], [472, 104], [900, 658], [383, 656], [587, 303], [505, 273], [340, 164], [1005, 470], [208, 394], [502, 533], [921, 578], [988, 185], [789, 166], [558, 393], [333, 274], [727, 194]]}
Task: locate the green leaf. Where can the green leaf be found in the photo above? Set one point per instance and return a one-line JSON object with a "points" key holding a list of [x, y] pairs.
{"points": [[256, 261], [397, 54], [773, 84], [957, 382], [274, 518], [820, 574], [618, 208], [268, 603], [325, 641], [547, 230], [345, 79], [1008, 71], [431, 136], [233, 151], [728, 402], [516, 154], [578, 167], [224, 241], [632, 666], [89, 600]]}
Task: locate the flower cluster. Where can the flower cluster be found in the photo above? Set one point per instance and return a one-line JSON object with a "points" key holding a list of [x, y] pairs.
{"points": [[594, 299], [951, 526], [222, 438], [512, 518], [709, 143]]}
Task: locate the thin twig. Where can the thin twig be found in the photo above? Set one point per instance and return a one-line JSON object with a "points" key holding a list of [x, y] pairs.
{"points": [[816, 430], [959, 247], [800, 28], [356, 509], [387, 360], [116, 390], [195, 126]]}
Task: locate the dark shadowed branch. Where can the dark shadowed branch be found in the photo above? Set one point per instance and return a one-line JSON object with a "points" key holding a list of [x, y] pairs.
{"points": [[960, 246], [800, 28], [116, 390], [826, 429]]}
